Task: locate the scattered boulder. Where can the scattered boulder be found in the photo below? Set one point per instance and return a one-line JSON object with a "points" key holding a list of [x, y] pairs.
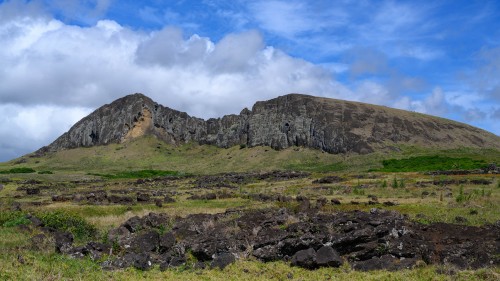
{"points": [[335, 201], [33, 191], [305, 259], [34, 220], [168, 199], [63, 241], [320, 202], [223, 260], [133, 224], [167, 241], [143, 197], [326, 256], [329, 179], [374, 240], [158, 203], [125, 200], [148, 241], [62, 198]]}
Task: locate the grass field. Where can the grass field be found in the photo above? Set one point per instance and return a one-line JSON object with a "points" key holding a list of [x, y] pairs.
{"points": [[391, 176]]}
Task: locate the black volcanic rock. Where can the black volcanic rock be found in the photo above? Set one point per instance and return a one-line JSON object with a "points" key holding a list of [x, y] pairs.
{"points": [[334, 126]]}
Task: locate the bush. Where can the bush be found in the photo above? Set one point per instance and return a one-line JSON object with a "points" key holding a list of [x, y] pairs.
{"points": [[395, 183], [45, 172], [80, 228], [10, 219], [462, 197], [402, 183], [384, 184], [22, 170], [431, 163]]}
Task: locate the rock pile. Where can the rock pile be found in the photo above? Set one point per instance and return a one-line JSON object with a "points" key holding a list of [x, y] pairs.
{"points": [[372, 240]]}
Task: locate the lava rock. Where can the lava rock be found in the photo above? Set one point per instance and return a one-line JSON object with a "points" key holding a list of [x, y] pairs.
{"points": [[305, 259], [223, 260], [326, 256]]}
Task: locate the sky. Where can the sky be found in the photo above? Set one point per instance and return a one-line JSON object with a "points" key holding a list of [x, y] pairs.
{"points": [[62, 59]]}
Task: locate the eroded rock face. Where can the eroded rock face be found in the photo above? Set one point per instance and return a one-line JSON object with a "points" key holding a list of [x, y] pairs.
{"points": [[334, 126]]}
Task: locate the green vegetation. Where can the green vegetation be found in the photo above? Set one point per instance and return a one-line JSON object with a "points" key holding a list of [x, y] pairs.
{"points": [[21, 170], [10, 219], [115, 167], [142, 174], [80, 228], [430, 163]]}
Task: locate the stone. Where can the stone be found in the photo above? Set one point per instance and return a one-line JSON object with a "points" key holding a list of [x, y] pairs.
{"points": [[326, 256], [158, 203], [146, 242], [177, 261], [142, 261], [143, 197], [34, 220], [335, 201], [133, 224], [305, 259], [222, 260], [63, 241], [168, 199], [33, 191], [167, 241]]}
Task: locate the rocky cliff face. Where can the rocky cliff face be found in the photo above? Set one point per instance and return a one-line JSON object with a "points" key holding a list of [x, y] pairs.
{"points": [[334, 126]]}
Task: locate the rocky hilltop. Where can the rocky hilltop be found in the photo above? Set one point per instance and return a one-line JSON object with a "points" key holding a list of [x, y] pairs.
{"points": [[331, 125]]}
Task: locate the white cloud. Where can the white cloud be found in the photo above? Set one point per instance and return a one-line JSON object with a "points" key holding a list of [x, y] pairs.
{"points": [[26, 128], [434, 104], [51, 69], [283, 17], [48, 66]]}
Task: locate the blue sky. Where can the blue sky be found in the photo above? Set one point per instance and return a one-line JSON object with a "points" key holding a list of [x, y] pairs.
{"points": [[60, 60]]}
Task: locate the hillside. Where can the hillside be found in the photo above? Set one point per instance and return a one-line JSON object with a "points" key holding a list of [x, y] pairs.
{"points": [[333, 126]]}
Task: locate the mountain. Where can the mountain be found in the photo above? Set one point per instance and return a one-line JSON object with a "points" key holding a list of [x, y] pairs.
{"points": [[334, 126]]}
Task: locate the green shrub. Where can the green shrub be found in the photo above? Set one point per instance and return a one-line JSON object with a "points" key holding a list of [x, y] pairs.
{"points": [[384, 184], [462, 197], [402, 183], [431, 163], [21, 170], [75, 224], [45, 172], [395, 183], [10, 219], [358, 191]]}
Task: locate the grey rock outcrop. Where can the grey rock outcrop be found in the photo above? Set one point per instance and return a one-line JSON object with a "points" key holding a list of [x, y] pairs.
{"points": [[334, 126]]}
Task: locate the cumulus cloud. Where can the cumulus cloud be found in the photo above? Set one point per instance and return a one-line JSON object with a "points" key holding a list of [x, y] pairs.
{"points": [[26, 128], [53, 73], [48, 66]]}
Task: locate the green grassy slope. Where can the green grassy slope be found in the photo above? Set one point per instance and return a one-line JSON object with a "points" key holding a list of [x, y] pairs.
{"points": [[147, 153]]}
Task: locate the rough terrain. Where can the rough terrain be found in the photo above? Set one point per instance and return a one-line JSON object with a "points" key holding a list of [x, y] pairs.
{"points": [[372, 240], [334, 126]]}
